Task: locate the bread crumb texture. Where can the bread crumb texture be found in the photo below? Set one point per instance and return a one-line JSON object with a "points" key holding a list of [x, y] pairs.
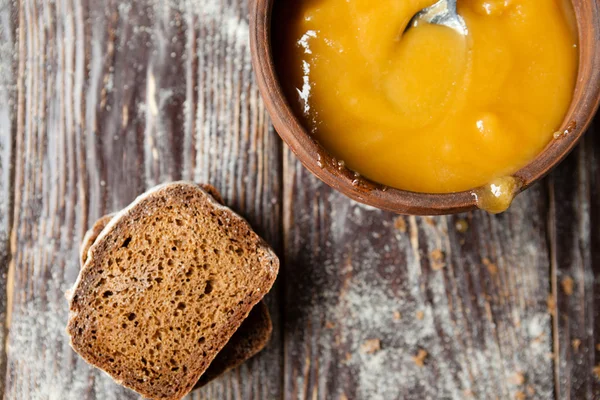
{"points": [[517, 379], [400, 224], [438, 259], [164, 287], [252, 335], [596, 372], [248, 340], [370, 346], [567, 284], [419, 359]]}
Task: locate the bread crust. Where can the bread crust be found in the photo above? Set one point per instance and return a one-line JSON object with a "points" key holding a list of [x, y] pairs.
{"points": [[91, 235]]}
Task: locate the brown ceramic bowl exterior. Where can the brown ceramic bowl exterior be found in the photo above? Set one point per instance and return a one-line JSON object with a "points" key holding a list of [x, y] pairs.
{"points": [[324, 166]]}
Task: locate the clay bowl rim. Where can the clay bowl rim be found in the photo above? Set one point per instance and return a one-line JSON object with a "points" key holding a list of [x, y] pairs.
{"points": [[317, 160]]}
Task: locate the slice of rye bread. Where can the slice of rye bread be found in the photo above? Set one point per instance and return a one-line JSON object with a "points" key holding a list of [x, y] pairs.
{"points": [[164, 287], [252, 336]]}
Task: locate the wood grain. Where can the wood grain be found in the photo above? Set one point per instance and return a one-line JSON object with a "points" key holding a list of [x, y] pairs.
{"points": [[116, 97], [100, 100], [575, 201], [475, 302], [8, 122]]}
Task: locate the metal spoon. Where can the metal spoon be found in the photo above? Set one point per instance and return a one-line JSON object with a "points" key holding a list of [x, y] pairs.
{"points": [[441, 13]]}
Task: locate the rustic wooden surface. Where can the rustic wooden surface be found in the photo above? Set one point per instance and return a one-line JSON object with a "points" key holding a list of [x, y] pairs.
{"points": [[100, 100]]}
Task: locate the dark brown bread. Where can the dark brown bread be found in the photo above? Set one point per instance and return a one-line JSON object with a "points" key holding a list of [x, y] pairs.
{"points": [[252, 336], [90, 236], [164, 287]]}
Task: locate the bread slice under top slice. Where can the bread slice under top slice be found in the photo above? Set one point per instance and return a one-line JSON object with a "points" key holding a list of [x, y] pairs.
{"points": [[251, 337], [91, 235], [164, 287]]}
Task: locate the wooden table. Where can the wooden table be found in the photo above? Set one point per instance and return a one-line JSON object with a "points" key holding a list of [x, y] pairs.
{"points": [[101, 99]]}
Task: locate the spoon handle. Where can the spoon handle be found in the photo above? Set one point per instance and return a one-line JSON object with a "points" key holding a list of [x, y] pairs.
{"points": [[451, 4]]}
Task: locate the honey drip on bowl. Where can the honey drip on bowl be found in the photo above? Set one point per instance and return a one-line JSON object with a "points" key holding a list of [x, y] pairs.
{"points": [[497, 196]]}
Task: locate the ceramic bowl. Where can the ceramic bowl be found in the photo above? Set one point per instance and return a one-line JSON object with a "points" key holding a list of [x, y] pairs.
{"points": [[325, 167]]}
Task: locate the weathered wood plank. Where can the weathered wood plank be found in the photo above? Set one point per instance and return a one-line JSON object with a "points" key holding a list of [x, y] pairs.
{"points": [[575, 205], [50, 201], [114, 97], [475, 302], [117, 97], [8, 121]]}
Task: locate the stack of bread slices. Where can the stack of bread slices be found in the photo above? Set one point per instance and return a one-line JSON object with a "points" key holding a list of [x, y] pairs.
{"points": [[169, 293]]}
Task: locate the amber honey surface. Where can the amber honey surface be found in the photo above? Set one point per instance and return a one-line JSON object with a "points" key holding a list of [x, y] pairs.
{"points": [[428, 110]]}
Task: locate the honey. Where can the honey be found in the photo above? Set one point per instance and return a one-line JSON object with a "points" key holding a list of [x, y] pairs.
{"points": [[496, 196], [428, 109]]}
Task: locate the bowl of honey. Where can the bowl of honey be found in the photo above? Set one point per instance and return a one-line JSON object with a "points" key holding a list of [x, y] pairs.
{"points": [[423, 119]]}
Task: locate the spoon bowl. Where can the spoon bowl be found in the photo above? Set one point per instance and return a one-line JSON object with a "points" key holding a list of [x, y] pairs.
{"points": [[441, 13]]}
